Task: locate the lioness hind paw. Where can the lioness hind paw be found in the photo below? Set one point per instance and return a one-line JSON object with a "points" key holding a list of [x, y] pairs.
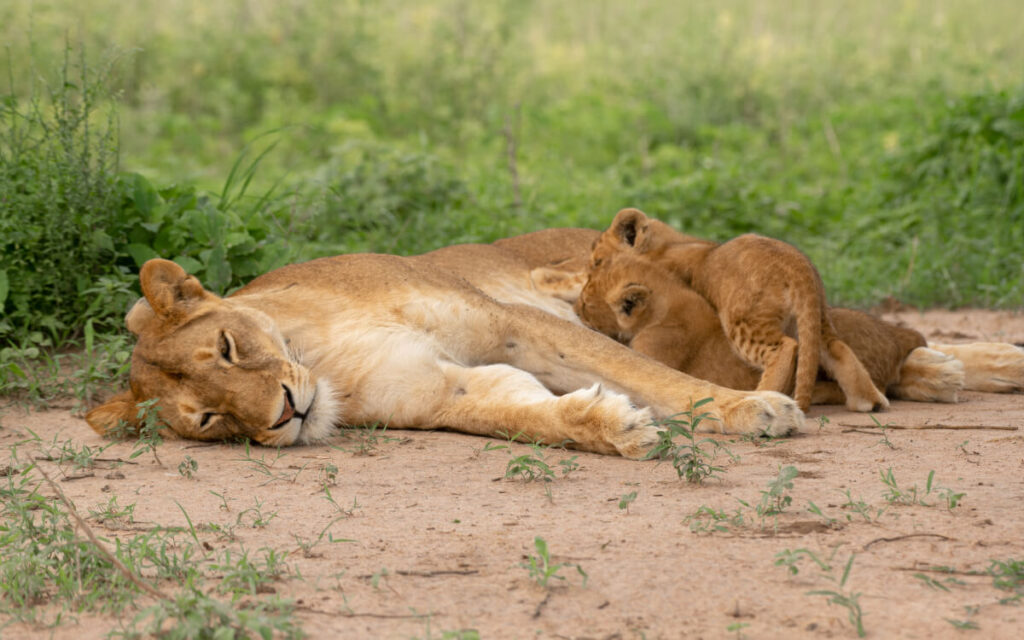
{"points": [[928, 375]]}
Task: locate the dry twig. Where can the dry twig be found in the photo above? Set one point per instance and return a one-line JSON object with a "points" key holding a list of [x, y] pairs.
{"points": [[137, 581]]}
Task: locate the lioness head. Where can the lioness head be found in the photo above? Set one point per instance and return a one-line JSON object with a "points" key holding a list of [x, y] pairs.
{"points": [[218, 368]]}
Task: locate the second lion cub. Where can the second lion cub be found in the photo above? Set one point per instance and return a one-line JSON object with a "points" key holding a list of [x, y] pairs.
{"points": [[759, 287]]}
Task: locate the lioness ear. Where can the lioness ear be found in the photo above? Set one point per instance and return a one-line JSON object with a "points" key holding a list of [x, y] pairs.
{"points": [[119, 409], [559, 283], [169, 290], [630, 227], [628, 302]]}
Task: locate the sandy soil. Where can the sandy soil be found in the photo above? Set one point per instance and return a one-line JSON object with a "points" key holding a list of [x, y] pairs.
{"points": [[437, 537]]}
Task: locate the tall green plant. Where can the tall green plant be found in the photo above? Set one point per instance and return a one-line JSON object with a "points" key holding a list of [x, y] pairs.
{"points": [[58, 162]]}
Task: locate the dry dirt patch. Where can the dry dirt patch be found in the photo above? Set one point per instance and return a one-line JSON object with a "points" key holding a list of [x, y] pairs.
{"points": [[432, 538]]}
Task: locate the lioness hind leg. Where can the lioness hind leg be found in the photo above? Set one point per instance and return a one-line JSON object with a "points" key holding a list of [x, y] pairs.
{"points": [[927, 375], [996, 367], [842, 364], [487, 399]]}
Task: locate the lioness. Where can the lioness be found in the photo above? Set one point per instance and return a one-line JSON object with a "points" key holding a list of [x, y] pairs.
{"points": [[758, 286], [643, 306], [420, 342]]}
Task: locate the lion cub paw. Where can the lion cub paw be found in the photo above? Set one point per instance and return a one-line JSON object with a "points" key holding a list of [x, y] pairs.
{"points": [[763, 412], [871, 400]]}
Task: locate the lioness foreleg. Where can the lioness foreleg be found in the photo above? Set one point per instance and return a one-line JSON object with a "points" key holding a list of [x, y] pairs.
{"points": [[566, 357], [502, 400]]}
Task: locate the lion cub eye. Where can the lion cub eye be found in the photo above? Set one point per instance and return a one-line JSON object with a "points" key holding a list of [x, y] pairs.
{"points": [[227, 348], [204, 421]]}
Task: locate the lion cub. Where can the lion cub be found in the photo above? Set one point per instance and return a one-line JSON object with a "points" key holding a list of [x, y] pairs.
{"points": [[759, 287], [646, 308]]}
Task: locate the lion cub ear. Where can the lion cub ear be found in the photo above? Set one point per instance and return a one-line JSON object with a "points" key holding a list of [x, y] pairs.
{"points": [[629, 302], [121, 409], [169, 290], [630, 227]]}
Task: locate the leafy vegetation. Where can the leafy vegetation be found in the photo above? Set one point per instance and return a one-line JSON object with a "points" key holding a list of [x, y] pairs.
{"points": [[51, 569], [1008, 575], [689, 456], [542, 570], [838, 595], [777, 499]]}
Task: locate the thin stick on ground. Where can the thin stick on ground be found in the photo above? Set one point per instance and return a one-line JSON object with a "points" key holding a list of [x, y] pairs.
{"points": [[909, 535], [922, 427], [137, 581]]}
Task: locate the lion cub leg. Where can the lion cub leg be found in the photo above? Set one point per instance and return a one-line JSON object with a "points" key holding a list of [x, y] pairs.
{"points": [[487, 399], [827, 392], [842, 364], [764, 345]]}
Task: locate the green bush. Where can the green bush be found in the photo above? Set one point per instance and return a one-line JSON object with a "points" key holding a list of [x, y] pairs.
{"points": [[58, 162], [222, 245], [961, 193], [368, 193]]}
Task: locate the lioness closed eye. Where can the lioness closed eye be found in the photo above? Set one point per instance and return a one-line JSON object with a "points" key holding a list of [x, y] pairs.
{"points": [[455, 338]]}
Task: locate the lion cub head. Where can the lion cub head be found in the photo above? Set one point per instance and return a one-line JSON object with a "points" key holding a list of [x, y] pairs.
{"points": [[218, 369], [617, 298]]}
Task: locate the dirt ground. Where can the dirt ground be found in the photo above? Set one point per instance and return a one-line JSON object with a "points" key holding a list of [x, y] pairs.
{"points": [[436, 537]]}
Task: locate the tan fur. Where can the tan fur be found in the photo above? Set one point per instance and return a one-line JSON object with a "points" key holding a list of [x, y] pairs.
{"points": [[453, 339], [928, 375], [644, 306], [665, 320], [995, 367], [759, 287]]}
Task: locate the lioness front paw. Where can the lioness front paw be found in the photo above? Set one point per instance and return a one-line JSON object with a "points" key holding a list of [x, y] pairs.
{"points": [[638, 436], [617, 424], [763, 412]]}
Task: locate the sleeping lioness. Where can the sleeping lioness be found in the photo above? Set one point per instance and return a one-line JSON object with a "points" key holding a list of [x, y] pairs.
{"points": [[459, 338], [645, 307]]}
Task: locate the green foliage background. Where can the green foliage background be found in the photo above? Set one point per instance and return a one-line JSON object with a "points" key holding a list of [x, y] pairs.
{"points": [[884, 138]]}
